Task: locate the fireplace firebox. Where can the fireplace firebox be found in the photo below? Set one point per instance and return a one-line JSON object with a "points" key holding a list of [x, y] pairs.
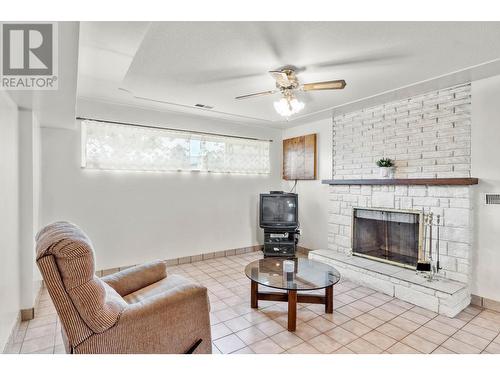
{"points": [[390, 236]]}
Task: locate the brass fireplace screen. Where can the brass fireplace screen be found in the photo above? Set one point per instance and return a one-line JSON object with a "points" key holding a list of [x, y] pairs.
{"points": [[391, 236]]}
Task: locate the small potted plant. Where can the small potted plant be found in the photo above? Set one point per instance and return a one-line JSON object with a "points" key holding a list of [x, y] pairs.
{"points": [[386, 168]]}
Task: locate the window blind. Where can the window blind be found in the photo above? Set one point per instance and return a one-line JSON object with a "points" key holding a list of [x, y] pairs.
{"points": [[136, 148]]}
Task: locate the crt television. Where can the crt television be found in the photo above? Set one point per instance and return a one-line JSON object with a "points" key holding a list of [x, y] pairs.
{"points": [[279, 210]]}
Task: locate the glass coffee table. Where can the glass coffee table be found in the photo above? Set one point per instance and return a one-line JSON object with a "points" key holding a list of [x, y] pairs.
{"points": [[307, 275]]}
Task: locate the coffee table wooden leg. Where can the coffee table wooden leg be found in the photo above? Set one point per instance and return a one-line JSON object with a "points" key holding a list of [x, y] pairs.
{"points": [[329, 299], [254, 290], [292, 310]]}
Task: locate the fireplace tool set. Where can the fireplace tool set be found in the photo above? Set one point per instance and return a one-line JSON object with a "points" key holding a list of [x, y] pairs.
{"points": [[429, 265]]}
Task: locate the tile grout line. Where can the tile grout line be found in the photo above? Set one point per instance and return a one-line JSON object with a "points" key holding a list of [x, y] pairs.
{"points": [[230, 267], [269, 337], [388, 321], [451, 336], [476, 315], [374, 329], [493, 340], [399, 315], [366, 312]]}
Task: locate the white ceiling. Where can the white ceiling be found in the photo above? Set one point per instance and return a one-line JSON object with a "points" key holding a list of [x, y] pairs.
{"points": [[175, 65]]}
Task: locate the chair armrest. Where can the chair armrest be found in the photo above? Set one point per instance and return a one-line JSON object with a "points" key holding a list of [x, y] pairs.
{"points": [[169, 322], [135, 278], [168, 300]]}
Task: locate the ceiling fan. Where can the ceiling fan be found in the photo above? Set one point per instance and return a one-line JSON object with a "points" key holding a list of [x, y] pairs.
{"points": [[287, 84]]}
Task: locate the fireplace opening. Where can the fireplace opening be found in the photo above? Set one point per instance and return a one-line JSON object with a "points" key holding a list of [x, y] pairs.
{"points": [[390, 236]]}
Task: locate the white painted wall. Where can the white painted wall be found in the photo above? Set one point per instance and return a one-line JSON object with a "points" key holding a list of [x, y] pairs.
{"points": [[485, 166], [29, 187], [9, 218], [313, 195], [133, 217]]}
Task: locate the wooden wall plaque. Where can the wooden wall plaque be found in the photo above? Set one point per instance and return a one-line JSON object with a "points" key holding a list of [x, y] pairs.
{"points": [[299, 158]]}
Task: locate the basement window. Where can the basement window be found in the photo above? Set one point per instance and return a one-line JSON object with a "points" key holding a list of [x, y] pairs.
{"points": [[112, 146]]}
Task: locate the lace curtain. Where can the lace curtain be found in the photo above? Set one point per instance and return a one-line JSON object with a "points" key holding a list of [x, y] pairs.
{"points": [[135, 148]]}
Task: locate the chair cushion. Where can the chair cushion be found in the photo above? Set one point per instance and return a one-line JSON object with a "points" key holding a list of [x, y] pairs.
{"points": [[97, 303], [170, 282]]}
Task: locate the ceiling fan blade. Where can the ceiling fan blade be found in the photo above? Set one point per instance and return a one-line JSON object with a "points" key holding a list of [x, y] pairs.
{"points": [[326, 85], [281, 78], [276, 38], [373, 57], [256, 94], [223, 76]]}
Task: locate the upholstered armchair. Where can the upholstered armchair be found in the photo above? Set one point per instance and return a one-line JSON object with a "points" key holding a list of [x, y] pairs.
{"points": [[138, 310]]}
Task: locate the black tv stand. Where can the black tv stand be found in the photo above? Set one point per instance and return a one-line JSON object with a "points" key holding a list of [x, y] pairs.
{"points": [[278, 216], [280, 242]]}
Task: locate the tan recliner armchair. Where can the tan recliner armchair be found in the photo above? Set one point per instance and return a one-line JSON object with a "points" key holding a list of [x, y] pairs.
{"points": [[138, 310]]}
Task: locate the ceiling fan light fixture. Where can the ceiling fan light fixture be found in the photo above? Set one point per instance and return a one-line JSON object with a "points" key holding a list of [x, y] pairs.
{"points": [[287, 107], [287, 84]]}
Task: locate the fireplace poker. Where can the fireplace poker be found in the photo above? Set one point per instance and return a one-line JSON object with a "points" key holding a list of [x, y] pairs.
{"points": [[426, 221], [431, 227], [423, 265], [438, 267], [431, 219]]}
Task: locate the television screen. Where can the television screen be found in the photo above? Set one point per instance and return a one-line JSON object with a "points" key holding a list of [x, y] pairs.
{"points": [[278, 209]]}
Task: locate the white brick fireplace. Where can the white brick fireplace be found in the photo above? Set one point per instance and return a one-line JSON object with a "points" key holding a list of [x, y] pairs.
{"points": [[428, 136]]}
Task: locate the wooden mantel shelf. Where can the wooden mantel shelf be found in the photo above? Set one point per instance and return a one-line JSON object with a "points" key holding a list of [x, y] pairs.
{"points": [[405, 181]]}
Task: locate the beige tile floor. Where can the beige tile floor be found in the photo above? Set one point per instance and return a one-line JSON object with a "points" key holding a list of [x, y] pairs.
{"points": [[364, 321]]}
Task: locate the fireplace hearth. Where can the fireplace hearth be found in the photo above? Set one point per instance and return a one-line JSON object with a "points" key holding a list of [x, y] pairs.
{"points": [[391, 236]]}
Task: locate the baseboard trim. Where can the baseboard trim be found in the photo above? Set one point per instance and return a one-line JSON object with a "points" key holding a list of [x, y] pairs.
{"points": [[191, 259], [303, 250], [485, 303], [27, 314]]}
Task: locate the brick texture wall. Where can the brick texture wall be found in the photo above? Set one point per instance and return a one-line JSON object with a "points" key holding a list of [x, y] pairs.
{"points": [[451, 202], [427, 136]]}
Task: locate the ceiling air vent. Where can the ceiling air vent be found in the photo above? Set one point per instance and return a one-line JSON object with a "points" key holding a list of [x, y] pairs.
{"points": [[492, 198], [204, 106]]}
